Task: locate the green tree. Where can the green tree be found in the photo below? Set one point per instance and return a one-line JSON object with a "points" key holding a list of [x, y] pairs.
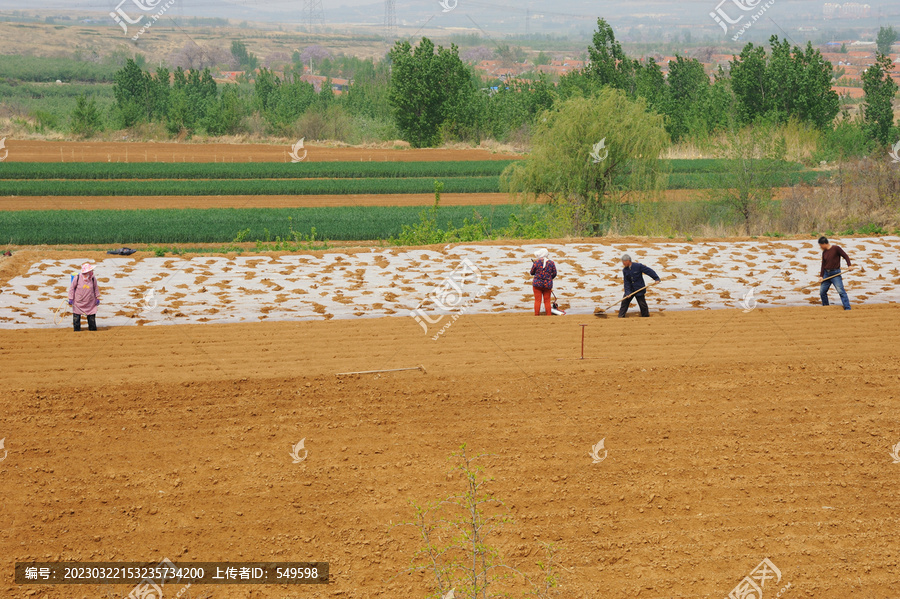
{"points": [[650, 84], [86, 118], [792, 83], [880, 90], [748, 81], [246, 59], [802, 85], [225, 114], [886, 38], [266, 83], [428, 87], [132, 92], [513, 107], [180, 118], [159, 92], [608, 63], [688, 98], [288, 102], [561, 167], [369, 94]]}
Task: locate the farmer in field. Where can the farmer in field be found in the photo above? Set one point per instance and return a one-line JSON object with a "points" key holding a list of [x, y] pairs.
{"points": [[831, 271], [544, 271], [633, 274], [84, 297]]}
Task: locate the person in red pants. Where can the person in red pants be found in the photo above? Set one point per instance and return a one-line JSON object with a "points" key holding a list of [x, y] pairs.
{"points": [[544, 271]]}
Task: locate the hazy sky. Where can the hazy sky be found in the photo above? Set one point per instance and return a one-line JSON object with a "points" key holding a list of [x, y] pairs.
{"points": [[488, 12]]}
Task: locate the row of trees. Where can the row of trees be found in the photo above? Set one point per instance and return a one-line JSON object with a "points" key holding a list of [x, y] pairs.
{"points": [[430, 95]]}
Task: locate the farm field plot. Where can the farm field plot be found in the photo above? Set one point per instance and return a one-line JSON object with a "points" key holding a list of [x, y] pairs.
{"points": [[88, 151], [175, 202], [222, 225], [253, 170], [16, 203], [731, 438], [393, 281]]}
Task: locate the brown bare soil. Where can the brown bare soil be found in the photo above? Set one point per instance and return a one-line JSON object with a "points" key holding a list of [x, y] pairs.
{"points": [[732, 437], [16, 203], [87, 151]]}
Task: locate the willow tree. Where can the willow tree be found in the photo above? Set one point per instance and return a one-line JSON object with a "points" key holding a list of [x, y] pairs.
{"points": [[589, 152]]}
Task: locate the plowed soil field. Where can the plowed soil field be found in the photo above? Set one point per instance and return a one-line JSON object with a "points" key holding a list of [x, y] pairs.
{"points": [[729, 438]]}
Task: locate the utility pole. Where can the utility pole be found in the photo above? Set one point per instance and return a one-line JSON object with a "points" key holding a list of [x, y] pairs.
{"points": [[312, 14], [390, 20]]}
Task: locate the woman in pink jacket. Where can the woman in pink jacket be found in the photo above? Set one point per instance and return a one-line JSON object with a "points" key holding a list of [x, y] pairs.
{"points": [[84, 297]]}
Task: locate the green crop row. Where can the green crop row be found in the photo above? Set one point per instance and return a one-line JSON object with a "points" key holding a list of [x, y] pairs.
{"points": [[722, 165], [263, 187], [225, 187], [222, 225], [250, 170], [309, 170], [726, 179]]}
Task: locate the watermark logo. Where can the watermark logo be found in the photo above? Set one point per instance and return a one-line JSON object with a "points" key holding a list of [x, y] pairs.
{"points": [[145, 8], [3, 151], [450, 296], [147, 303], [894, 154], [895, 452], [296, 449], [448, 5], [752, 586], [748, 301], [725, 20], [295, 151], [6, 453], [600, 146], [151, 587], [596, 449]]}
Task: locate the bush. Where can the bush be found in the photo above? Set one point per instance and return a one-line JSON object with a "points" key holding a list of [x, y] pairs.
{"points": [[86, 119], [847, 140]]}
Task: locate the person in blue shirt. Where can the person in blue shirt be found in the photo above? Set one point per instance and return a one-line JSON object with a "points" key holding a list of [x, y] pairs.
{"points": [[633, 274]]}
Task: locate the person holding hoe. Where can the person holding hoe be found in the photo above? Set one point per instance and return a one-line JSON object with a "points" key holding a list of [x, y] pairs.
{"points": [[633, 274], [831, 271], [84, 297], [544, 271]]}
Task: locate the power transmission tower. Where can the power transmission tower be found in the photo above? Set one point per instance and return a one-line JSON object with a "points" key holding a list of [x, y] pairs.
{"points": [[390, 20], [312, 14]]}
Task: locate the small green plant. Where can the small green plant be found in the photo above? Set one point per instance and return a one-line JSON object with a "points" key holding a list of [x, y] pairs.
{"points": [[872, 229], [241, 237], [456, 536]]}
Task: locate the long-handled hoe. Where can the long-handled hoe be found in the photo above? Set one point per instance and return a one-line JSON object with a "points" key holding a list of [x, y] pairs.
{"points": [[602, 313]]}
